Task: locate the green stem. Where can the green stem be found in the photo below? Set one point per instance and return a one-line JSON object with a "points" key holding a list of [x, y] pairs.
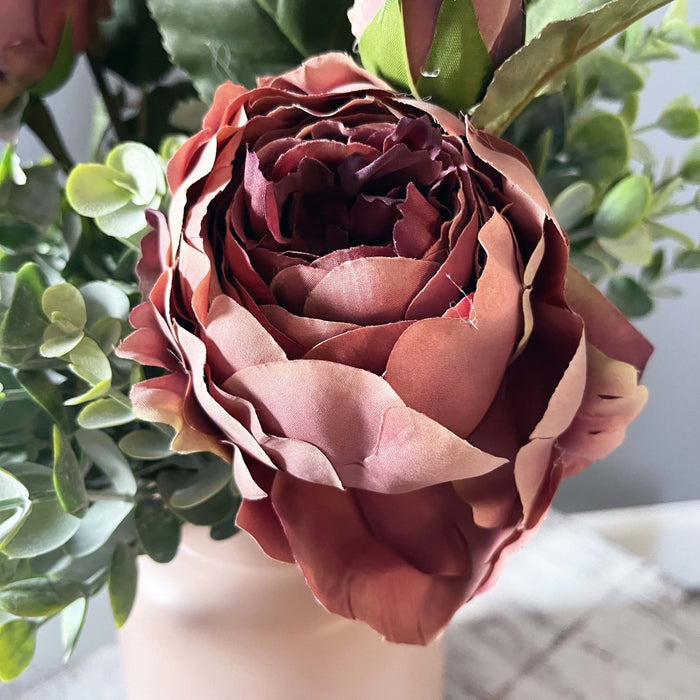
{"points": [[38, 118], [108, 99]]}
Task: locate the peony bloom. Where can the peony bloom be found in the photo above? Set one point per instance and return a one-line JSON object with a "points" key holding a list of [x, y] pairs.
{"points": [[363, 304], [30, 35], [501, 24]]}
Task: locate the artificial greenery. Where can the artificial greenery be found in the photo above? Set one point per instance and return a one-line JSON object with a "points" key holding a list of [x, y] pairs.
{"points": [[85, 488]]}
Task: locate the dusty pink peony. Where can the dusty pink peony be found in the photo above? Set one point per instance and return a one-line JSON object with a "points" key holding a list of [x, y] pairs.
{"points": [[30, 34], [501, 24], [363, 304]]}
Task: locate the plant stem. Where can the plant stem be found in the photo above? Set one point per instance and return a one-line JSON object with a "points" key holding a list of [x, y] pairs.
{"points": [[38, 118], [108, 99], [109, 496]]}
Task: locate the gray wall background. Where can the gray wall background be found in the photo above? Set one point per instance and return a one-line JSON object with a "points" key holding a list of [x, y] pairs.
{"points": [[660, 461]]}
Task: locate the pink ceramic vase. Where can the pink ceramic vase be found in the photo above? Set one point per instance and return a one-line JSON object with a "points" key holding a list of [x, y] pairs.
{"points": [[223, 621]]}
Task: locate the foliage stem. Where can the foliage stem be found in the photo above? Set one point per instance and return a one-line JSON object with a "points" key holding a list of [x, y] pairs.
{"points": [[108, 98], [38, 118]]}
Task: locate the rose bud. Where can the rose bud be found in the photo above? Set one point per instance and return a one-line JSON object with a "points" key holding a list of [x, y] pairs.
{"points": [[30, 36], [432, 33], [365, 305]]}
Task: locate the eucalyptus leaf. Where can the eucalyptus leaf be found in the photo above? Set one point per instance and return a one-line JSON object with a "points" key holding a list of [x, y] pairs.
{"points": [[687, 260], [14, 505], [661, 231], [630, 297], [617, 78], [623, 207], [38, 597], [72, 620], [64, 303], [122, 583], [680, 118], [17, 646], [573, 204], [598, 146], [95, 190], [158, 530], [105, 413], [68, 476], [634, 247], [521, 78], [146, 444], [104, 299], [106, 332], [58, 342], [654, 269], [690, 167], [40, 385], [97, 526], [107, 456]]}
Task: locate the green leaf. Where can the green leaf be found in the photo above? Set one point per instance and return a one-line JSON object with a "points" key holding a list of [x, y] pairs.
{"points": [[202, 485], [58, 343], [690, 167], [158, 530], [97, 527], [39, 200], [22, 328], [106, 332], [104, 299], [47, 526], [455, 84], [72, 620], [653, 271], [573, 204], [623, 207], [687, 260], [239, 40], [634, 247], [63, 304], [43, 391], [144, 169], [122, 583], [146, 444], [17, 646], [663, 197], [134, 48], [598, 146], [104, 413], [630, 109], [617, 78], [680, 118], [630, 297], [38, 597], [95, 190], [660, 231], [106, 455], [68, 476], [14, 505], [521, 78], [90, 364]]}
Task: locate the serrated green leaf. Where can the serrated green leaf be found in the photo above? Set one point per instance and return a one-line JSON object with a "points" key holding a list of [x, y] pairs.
{"points": [[598, 146], [239, 40], [72, 620], [68, 476], [104, 413], [633, 247], [521, 78], [122, 583], [38, 597], [680, 118], [623, 207], [146, 444], [17, 646], [630, 297], [573, 204], [106, 455], [158, 530]]}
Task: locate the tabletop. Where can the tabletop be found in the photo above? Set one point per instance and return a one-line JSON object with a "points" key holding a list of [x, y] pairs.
{"points": [[573, 617]]}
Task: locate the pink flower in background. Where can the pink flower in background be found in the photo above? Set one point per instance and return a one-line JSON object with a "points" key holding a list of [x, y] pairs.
{"points": [[30, 35], [365, 306]]}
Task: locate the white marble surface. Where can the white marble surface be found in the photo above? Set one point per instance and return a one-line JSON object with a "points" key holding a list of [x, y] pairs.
{"points": [[573, 617]]}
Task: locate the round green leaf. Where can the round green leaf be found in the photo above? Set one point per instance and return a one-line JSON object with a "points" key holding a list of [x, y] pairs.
{"points": [[202, 485], [690, 167], [65, 301], [634, 247], [122, 583], [630, 297], [96, 190], [104, 413], [98, 525], [573, 204], [14, 505], [38, 597], [680, 118], [146, 444], [598, 146], [617, 78], [58, 343], [143, 166], [104, 299], [158, 530], [106, 455], [687, 260], [126, 221], [623, 207], [17, 646]]}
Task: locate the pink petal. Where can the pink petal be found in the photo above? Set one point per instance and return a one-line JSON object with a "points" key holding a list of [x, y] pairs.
{"points": [[292, 286], [415, 232], [369, 290]]}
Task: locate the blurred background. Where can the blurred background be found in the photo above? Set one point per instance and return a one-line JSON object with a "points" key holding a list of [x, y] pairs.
{"points": [[645, 496]]}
